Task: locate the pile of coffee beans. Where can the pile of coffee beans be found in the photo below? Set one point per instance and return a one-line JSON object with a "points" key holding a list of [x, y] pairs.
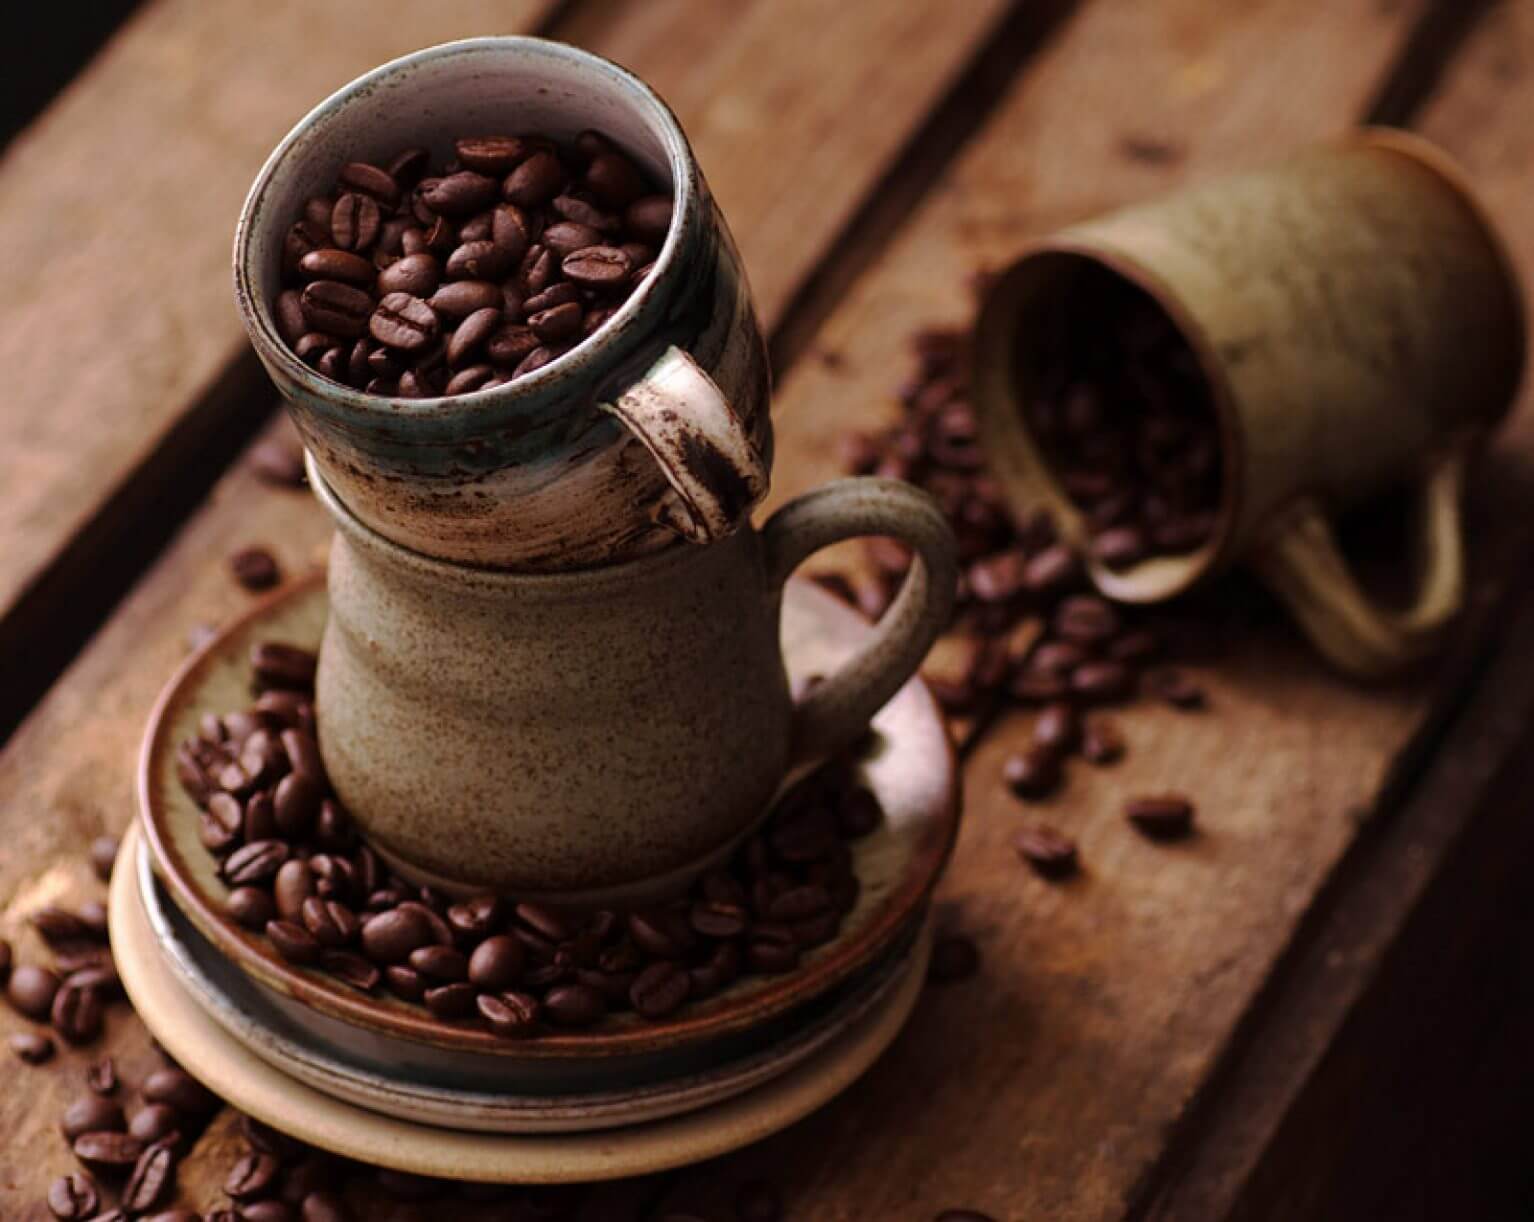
{"points": [[297, 871], [1123, 415], [1027, 629], [413, 282]]}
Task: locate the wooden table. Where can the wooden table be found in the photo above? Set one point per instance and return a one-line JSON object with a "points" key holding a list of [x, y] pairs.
{"points": [[1260, 1025]]}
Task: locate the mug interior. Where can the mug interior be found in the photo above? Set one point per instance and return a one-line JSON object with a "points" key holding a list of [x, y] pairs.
{"points": [[1015, 340], [484, 86]]}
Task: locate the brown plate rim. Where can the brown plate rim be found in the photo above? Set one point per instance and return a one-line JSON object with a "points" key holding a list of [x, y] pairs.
{"points": [[253, 955]]}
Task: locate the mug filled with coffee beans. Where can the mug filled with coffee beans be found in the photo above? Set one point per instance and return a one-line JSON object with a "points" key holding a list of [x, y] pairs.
{"points": [[518, 342], [506, 316], [1211, 377]]}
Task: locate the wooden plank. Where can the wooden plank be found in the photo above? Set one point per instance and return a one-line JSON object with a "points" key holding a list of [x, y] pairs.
{"points": [[132, 382], [1053, 1085], [67, 772]]}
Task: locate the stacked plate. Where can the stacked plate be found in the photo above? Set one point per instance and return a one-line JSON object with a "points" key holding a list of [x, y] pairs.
{"points": [[383, 1080]]}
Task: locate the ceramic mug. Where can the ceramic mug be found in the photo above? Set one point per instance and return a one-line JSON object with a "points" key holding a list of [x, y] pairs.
{"points": [[656, 426], [1358, 323], [599, 736]]}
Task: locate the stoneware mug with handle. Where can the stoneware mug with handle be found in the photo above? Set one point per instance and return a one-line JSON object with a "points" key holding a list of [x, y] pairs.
{"points": [[603, 735], [1358, 324], [655, 426]]}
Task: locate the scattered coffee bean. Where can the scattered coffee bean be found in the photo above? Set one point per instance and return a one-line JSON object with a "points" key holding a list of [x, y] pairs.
{"points": [[660, 989], [511, 1014], [255, 568], [1057, 728], [58, 926], [1034, 773], [574, 1005], [278, 463], [151, 1181], [1101, 742], [1161, 817], [155, 1122], [31, 1047], [252, 1177], [91, 1114], [108, 1153], [954, 957], [72, 1197], [101, 1076], [1052, 854], [31, 990], [179, 1089], [1175, 688]]}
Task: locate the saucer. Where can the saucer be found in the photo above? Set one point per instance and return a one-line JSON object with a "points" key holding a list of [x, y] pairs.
{"points": [[371, 1072], [910, 768], [226, 1066]]}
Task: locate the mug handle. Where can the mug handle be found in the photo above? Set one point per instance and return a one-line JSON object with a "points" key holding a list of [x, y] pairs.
{"points": [[834, 713], [701, 446], [1303, 565]]}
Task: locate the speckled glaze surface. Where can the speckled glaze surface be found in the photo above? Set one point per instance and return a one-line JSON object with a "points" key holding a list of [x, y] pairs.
{"points": [[1359, 324], [910, 768], [595, 737], [539, 474], [237, 1075]]}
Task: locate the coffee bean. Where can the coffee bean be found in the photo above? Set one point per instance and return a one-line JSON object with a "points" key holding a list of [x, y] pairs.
{"points": [[496, 963], [325, 1206], [557, 323], [72, 1197], [1175, 688], [492, 154], [405, 982], [1034, 773], [107, 1153], [511, 344], [153, 1177], [279, 1211], [1086, 619], [31, 990], [451, 1000], [389, 937], [660, 990], [77, 1013], [416, 275], [510, 1014], [1161, 817], [92, 1114], [336, 307], [339, 265], [252, 1177], [718, 918], [472, 378], [155, 1122], [954, 958], [351, 969], [101, 1076], [283, 666], [295, 805], [1057, 728], [58, 926], [293, 942], [380, 184], [31, 1047], [441, 963], [597, 267], [103, 855], [772, 949], [460, 298], [255, 862], [482, 260], [460, 194], [403, 322], [1102, 682], [354, 223], [332, 924], [1052, 571], [1120, 547], [1051, 853], [574, 1005], [536, 181], [255, 568]]}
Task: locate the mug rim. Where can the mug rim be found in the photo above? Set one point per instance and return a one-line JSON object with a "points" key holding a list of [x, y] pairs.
{"points": [[346, 406]]}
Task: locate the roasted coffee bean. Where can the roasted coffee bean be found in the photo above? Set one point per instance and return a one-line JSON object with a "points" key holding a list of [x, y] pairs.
{"points": [[389, 937], [405, 982], [1034, 773], [574, 1005], [720, 971], [492, 154], [660, 989], [155, 1122], [355, 221], [510, 1014], [1086, 619], [323, 1206], [59, 925], [567, 237], [772, 949], [1051, 853], [535, 182], [451, 1000], [101, 1076], [107, 1153], [460, 298], [1057, 728], [179, 1089], [337, 308], [92, 1114], [252, 1177], [255, 568], [255, 862], [497, 963], [340, 265], [440, 963], [954, 957], [459, 195], [332, 924], [416, 275], [294, 883], [295, 804], [557, 323], [31, 1047], [380, 184], [649, 218], [153, 1177], [654, 935], [351, 969], [279, 1211], [719, 919], [1120, 547], [403, 322], [1102, 682], [1161, 817], [1102, 743], [1052, 571], [293, 942], [31, 990], [72, 1197], [1175, 688], [476, 918], [758, 1201], [103, 855], [5, 960], [482, 260], [77, 1013], [472, 378], [102, 978], [600, 267], [189, 1215], [283, 666]]}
